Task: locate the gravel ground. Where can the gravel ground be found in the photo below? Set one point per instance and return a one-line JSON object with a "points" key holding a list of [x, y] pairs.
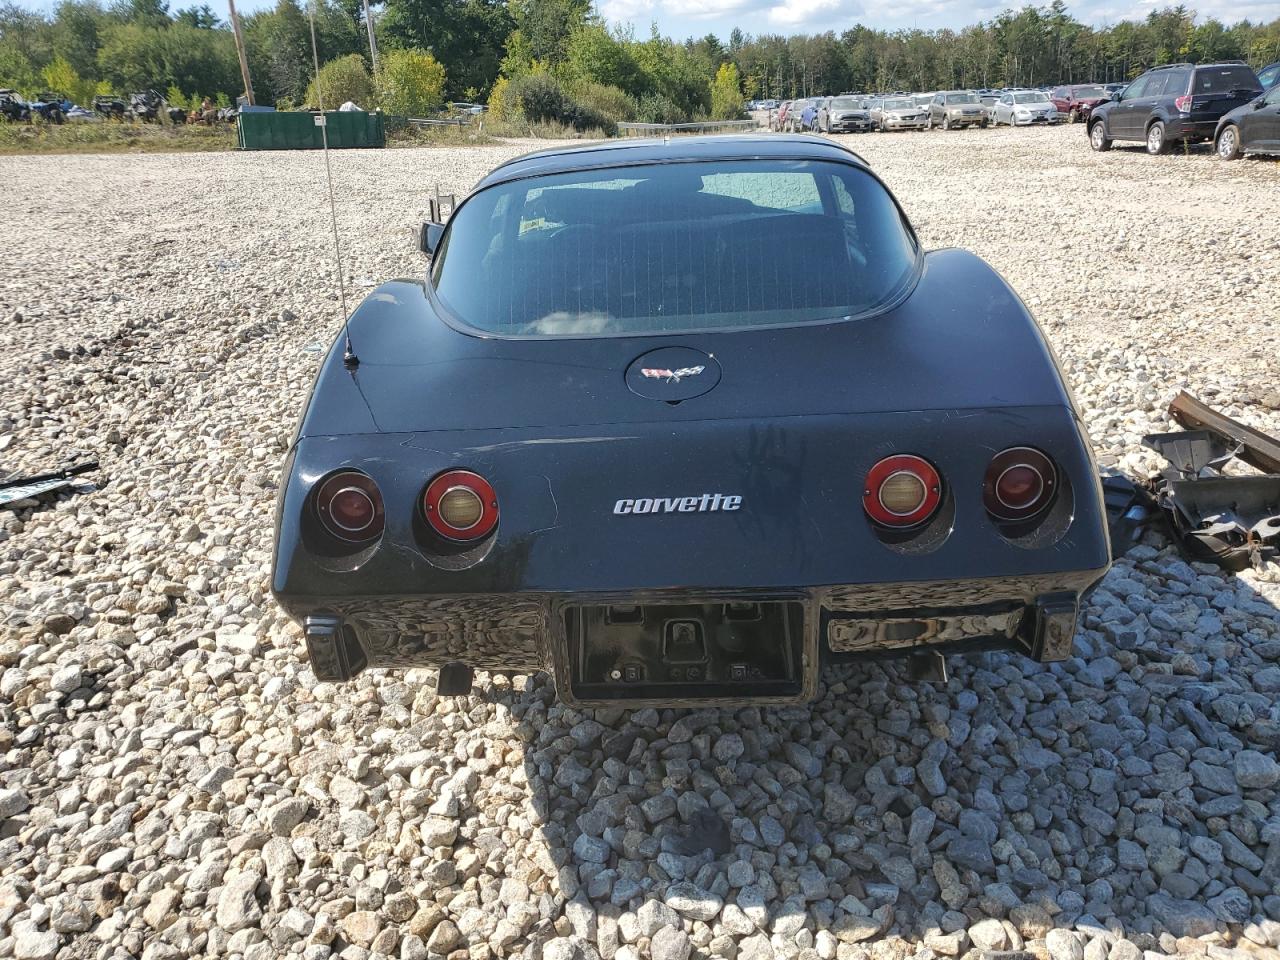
{"points": [[173, 782]]}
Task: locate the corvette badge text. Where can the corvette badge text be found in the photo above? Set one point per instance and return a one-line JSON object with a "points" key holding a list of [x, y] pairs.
{"points": [[706, 503], [672, 376]]}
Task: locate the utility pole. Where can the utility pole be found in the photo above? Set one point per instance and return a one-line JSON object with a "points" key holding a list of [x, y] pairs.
{"points": [[373, 44], [244, 61]]}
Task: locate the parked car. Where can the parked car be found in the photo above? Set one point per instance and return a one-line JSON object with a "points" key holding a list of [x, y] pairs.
{"points": [[12, 107], [1252, 128], [110, 106], [844, 115], [950, 109], [50, 106], [778, 118], [1176, 103], [429, 516], [922, 100], [898, 113], [1076, 101], [145, 105], [795, 115], [1023, 108], [809, 115]]}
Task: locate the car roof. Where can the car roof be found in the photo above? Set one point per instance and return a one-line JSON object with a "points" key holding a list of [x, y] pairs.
{"points": [[612, 153]]}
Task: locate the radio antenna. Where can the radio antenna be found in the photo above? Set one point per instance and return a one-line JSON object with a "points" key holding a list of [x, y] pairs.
{"points": [[349, 358]]}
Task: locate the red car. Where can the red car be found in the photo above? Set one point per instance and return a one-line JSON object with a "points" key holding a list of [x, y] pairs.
{"points": [[1077, 101]]}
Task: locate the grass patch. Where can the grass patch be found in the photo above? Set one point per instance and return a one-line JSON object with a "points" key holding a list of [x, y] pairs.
{"points": [[484, 132], [406, 135], [545, 130], [111, 137]]}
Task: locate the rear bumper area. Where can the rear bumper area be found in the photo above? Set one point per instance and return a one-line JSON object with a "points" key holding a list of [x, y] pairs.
{"points": [[695, 648], [1179, 129]]}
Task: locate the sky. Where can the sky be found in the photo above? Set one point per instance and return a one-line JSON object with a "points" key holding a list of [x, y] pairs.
{"points": [[696, 18]]}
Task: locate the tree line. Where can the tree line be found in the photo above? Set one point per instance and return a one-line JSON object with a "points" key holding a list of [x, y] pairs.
{"points": [[554, 57]]}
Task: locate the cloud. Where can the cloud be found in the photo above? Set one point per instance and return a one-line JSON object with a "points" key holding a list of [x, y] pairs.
{"points": [[680, 18], [709, 9], [794, 13], [626, 11]]}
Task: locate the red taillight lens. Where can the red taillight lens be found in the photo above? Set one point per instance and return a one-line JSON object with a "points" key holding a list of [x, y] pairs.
{"points": [[1183, 103], [1020, 483], [902, 491], [460, 505], [350, 507]]}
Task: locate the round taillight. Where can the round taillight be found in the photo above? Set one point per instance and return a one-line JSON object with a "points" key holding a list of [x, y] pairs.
{"points": [[460, 505], [902, 491], [1020, 483], [350, 507]]}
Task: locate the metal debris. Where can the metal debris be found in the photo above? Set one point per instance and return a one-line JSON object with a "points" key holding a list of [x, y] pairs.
{"points": [[24, 488], [1254, 447], [1130, 510], [1229, 519]]}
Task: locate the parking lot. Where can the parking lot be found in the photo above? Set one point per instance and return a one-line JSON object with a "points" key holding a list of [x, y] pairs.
{"points": [[173, 781]]}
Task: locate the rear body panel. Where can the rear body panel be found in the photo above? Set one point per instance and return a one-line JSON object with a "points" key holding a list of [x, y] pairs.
{"points": [[956, 371], [961, 340]]}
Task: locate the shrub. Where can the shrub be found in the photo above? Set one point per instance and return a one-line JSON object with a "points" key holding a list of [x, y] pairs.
{"points": [[605, 100], [341, 80], [726, 94], [60, 77], [655, 108], [541, 99], [410, 83], [500, 104]]}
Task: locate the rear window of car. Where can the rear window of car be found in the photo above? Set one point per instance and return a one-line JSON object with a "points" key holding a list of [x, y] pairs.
{"points": [[1225, 79], [674, 247]]}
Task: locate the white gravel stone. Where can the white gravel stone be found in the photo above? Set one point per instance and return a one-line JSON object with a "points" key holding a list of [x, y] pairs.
{"points": [[32, 944], [162, 732], [237, 904], [670, 943], [13, 802]]}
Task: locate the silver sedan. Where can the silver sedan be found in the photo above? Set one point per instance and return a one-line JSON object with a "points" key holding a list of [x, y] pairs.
{"points": [[1023, 108], [898, 113]]}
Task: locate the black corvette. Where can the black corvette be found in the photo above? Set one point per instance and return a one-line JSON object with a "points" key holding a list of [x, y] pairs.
{"points": [[681, 422]]}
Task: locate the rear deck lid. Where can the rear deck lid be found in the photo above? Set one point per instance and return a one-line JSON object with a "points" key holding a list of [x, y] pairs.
{"points": [[962, 340]]}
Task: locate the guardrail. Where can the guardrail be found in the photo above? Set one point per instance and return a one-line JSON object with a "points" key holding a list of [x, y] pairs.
{"points": [[627, 129], [450, 122]]}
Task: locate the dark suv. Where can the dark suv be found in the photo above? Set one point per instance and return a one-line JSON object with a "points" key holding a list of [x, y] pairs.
{"points": [[1178, 102]]}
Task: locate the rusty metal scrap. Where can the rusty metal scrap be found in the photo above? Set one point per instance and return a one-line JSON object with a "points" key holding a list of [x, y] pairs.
{"points": [[1230, 519], [1256, 448]]}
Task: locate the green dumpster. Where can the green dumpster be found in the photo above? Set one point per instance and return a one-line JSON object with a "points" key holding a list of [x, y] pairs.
{"points": [[297, 130]]}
